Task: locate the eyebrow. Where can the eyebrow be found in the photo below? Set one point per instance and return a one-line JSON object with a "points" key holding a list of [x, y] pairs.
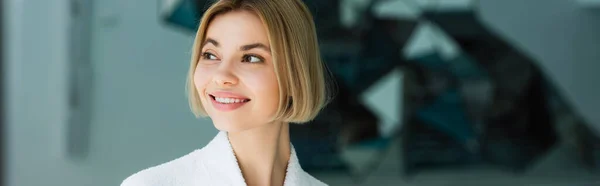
{"points": [[211, 41], [243, 48], [255, 45]]}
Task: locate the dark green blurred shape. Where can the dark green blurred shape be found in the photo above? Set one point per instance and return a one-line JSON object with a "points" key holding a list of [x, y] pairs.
{"points": [[184, 13]]}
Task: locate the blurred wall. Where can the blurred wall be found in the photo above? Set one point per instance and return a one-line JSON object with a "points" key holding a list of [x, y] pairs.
{"points": [[563, 37], [36, 88], [140, 113]]}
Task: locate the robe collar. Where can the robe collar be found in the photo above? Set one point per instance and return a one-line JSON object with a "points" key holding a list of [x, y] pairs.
{"points": [[222, 165]]}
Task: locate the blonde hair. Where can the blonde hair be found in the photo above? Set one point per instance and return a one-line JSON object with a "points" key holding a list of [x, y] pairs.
{"points": [[294, 47]]}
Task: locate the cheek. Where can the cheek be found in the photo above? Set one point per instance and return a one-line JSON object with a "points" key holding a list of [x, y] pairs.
{"points": [[264, 86], [201, 79]]}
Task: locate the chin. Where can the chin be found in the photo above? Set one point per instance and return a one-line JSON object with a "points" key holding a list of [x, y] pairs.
{"points": [[227, 125]]}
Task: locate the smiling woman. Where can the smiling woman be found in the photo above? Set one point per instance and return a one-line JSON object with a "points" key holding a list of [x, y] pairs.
{"points": [[236, 63], [256, 26], [255, 68]]}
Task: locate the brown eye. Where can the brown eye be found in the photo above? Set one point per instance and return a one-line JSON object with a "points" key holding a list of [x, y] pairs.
{"points": [[252, 59], [209, 56]]}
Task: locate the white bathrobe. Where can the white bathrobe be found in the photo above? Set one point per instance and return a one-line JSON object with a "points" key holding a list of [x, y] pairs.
{"points": [[214, 165]]}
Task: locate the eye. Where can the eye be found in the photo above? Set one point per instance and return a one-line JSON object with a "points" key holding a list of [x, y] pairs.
{"points": [[252, 59], [209, 56]]}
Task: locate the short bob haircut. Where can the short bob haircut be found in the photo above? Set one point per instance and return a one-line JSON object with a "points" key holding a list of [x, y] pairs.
{"points": [[295, 51]]}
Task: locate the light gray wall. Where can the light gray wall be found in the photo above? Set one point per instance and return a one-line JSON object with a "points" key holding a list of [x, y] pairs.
{"points": [[563, 37], [140, 115], [35, 65]]}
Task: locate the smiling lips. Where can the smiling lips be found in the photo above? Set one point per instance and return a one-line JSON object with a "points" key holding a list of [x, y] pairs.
{"points": [[227, 101]]}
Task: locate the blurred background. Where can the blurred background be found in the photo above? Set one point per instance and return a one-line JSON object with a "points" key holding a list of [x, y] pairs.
{"points": [[430, 92]]}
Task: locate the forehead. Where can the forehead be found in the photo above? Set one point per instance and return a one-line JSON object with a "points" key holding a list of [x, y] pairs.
{"points": [[237, 28]]}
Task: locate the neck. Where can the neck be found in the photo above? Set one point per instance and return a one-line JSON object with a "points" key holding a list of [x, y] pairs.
{"points": [[263, 153]]}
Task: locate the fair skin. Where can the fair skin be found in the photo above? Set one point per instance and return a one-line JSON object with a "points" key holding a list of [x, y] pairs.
{"points": [[238, 88]]}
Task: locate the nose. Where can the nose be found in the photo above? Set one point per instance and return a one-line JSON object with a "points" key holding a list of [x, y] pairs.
{"points": [[225, 75]]}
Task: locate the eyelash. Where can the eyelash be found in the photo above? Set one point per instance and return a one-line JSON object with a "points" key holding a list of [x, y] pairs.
{"points": [[260, 59], [207, 55]]}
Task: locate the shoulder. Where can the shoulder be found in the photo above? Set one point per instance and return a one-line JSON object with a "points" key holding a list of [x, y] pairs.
{"points": [[180, 171]]}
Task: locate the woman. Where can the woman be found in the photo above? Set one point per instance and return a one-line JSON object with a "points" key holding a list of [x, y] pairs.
{"points": [[255, 68]]}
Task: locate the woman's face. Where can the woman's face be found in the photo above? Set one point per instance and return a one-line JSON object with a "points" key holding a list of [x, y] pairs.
{"points": [[235, 76]]}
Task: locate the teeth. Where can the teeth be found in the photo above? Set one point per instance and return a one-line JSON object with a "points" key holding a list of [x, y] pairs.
{"points": [[229, 100]]}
